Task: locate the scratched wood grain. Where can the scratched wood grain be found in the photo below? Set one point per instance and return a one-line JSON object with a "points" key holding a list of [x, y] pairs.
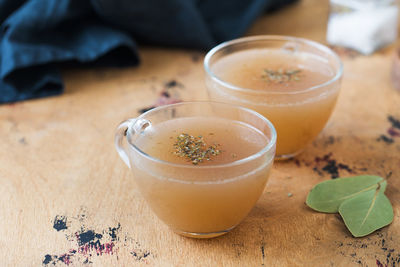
{"points": [[67, 199]]}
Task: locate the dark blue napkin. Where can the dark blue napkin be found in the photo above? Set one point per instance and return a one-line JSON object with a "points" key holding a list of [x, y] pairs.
{"points": [[37, 37]]}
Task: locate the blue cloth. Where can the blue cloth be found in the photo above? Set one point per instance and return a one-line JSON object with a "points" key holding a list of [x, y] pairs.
{"points": [[37, 37]]}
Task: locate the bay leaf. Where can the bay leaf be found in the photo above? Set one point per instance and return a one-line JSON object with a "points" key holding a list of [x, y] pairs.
{"points": [[328, 195], [367, 212]]}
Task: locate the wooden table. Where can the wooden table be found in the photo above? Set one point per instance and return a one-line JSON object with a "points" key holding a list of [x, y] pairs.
{"points": [[67, 198]]}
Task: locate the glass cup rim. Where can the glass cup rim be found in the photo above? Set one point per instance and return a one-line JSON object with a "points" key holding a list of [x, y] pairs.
{"points": [[250, 39], [271, 142]]}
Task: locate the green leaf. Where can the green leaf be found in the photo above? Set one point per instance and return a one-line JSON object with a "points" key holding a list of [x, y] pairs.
{"points": [[328, 195], [367, 212]]}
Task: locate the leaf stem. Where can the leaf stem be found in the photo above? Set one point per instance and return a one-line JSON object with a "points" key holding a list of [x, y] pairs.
{"points": [[371, 206]]}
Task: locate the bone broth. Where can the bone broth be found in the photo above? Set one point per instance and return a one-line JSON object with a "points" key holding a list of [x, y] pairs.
{"points": [[282, 85], [194, 192]]}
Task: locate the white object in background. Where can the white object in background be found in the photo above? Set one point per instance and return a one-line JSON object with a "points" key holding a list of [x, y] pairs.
{"points": [[363, 25]]}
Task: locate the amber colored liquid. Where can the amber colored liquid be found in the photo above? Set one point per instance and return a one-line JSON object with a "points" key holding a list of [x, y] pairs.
{"points": [[298, 118], [208, 197]]}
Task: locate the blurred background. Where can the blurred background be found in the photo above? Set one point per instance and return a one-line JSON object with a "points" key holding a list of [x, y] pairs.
{"points": [[39, 38]]}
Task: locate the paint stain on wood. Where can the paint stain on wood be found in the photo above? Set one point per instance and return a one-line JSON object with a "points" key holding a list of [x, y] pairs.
{"points": [[173, 83], [379, 246], [330, 140], [327, 165], [385, 139], [262, 247], [140, 255], [22, 141], [167, 96], [88, 242], [395, 122], [60, 223], [392, 132]]}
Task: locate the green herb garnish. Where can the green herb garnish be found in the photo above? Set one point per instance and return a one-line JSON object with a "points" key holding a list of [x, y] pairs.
{"points": [[360, 200], [194, 148], [281, 76]]}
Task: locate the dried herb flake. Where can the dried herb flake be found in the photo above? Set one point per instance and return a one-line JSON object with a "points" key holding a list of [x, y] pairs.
{"points": [[194, 149], [281, 76]]}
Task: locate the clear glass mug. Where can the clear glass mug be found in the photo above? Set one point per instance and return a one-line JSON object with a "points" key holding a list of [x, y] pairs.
{"points": [[194, 200], [298, 116]]}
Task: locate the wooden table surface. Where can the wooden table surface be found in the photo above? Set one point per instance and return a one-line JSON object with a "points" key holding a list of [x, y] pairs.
{"points": [[66, 198]]}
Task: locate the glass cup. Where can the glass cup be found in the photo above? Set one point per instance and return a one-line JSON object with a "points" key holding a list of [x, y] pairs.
{"points": [[200, 201], [298, 115]]}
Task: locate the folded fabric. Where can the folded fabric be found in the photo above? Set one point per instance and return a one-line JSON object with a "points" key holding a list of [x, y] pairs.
{"points": [[39, 36]]}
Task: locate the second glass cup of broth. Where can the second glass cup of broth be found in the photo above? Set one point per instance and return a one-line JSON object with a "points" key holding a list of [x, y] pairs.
{"points": [[201, 166], [293, 82]]}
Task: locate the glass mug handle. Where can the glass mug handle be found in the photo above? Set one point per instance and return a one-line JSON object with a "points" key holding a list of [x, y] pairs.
{"points": [[124, 132]]}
